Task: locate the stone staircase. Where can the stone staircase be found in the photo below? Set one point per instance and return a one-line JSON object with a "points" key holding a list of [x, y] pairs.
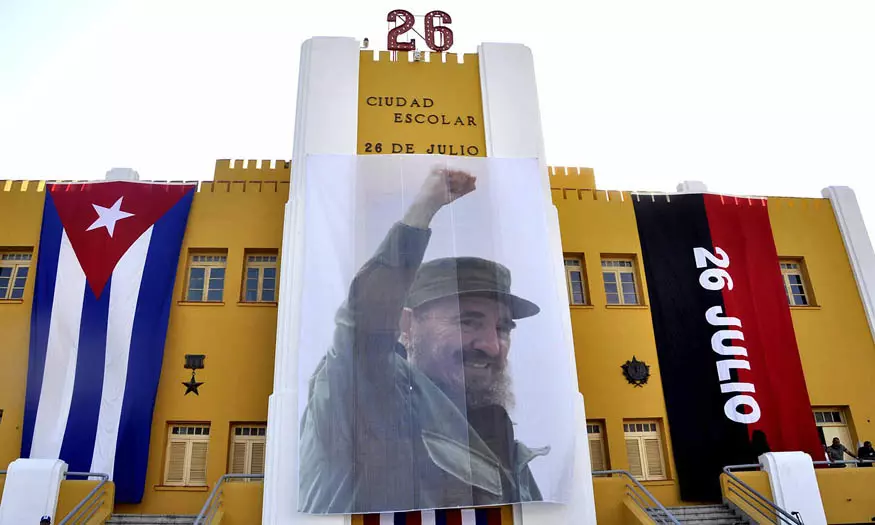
{"points": [[150, 519], [705, 515]]}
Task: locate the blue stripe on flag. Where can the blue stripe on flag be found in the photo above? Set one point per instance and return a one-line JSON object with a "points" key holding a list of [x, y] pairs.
{"points": [[77, 448], [440, 517], [147, 352], [481, 516], [400, 518], [41, 316]]}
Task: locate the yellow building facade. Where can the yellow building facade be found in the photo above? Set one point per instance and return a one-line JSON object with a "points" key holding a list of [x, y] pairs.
{"points": [[236, 224]]}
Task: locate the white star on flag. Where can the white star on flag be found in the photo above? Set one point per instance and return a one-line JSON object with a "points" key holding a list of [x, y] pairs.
{"points": [[107, 217]]}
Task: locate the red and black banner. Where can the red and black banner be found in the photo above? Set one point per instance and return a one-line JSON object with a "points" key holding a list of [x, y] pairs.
{"points": [[731, 373]]}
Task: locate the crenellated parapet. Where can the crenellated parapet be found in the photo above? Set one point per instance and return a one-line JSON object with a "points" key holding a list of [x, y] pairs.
{"points": [[428, 58], [252, 170]]}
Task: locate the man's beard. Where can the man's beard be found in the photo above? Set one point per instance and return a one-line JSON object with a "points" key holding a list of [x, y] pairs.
{"points": [[473, 391]]}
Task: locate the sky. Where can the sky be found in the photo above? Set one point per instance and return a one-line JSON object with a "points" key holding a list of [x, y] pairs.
{"points": [[759, 97]]}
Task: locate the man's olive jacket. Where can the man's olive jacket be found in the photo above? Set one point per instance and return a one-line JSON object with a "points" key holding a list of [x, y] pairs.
{"points": [[377, 435]]}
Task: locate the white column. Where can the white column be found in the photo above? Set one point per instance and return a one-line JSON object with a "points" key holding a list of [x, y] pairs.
{"points": [[692, 186], [794, 485], [857, 244], [31, 490], [512, 120], [326, 122]]}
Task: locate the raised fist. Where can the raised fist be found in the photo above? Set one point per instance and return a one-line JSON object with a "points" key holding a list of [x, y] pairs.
{"points": [[443, 186]]}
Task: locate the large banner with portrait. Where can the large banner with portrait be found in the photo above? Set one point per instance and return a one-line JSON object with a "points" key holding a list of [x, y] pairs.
{"points": [[731, 372], [432, 362]]}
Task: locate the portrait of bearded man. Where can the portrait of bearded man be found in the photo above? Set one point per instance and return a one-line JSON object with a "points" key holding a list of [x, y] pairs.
{"points": [[409, 407]]}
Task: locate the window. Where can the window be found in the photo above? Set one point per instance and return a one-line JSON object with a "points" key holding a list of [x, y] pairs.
{"points": [[644, 449], [14, 267], [260, 286], [597, 458], [619, 277], [187, 455], [826, 417], [247, 450], [833, 423], [206, 277], [574, 280], [794, 283]]}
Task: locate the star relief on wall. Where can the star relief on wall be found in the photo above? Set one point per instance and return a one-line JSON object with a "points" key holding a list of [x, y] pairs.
{"points": [[192, 385], [636, 372], [193, 362]]}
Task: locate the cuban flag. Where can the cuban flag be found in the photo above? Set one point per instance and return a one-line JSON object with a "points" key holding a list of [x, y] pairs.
{"points": [[106, 267]]}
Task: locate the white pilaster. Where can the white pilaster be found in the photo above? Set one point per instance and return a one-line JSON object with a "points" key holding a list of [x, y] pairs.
{"points": [[692, 186], [31, 490], [122, 174], [794, 485], [512, 121], [326, 122], [857, 244], [512, 117]]}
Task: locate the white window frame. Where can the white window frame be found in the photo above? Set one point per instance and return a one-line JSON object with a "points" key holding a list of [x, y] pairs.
{"points": [[649, 430], [255, 437], [260, 261], [595, 433], [842, 422], [16, 260], [618, 267], [795, 268], [190, 441], [208, 262], [574, 263]]}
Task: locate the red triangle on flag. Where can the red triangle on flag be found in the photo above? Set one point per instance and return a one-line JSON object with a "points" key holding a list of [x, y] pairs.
{"points": [[103, 219]]}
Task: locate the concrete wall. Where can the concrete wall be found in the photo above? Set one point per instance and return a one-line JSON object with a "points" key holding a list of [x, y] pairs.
{"points": [[74, 491], [847, 494]]}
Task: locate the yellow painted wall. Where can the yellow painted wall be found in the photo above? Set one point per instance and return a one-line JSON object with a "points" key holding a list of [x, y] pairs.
{"points": [[241, 503], [72, 492], [838, 354], [21, 213], [593, 224], [739, 497], [262, 171], [452, 89], [846, 493], [238, 339]]}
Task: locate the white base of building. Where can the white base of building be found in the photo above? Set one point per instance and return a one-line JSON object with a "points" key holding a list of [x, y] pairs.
{"points": [[31, 490]]}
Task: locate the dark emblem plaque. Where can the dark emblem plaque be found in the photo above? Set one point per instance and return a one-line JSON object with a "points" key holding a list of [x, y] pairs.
{"points": [[636, 372]]}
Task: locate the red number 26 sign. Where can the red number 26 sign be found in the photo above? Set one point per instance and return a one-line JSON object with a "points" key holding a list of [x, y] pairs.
{"points": [[431, 31]]}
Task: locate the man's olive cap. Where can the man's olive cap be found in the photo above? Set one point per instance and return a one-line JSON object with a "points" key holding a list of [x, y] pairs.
{"points": [[451, 276]]}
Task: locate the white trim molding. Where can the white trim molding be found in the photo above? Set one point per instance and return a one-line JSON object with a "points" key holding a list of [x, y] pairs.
{"points": [[512, 124], [326, 122], [858, 245]]}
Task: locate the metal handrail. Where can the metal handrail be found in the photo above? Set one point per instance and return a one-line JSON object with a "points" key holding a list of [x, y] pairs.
{"points": [[750, 492], [846, 462], [71, 516], [211, 506], [664, 515]]}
